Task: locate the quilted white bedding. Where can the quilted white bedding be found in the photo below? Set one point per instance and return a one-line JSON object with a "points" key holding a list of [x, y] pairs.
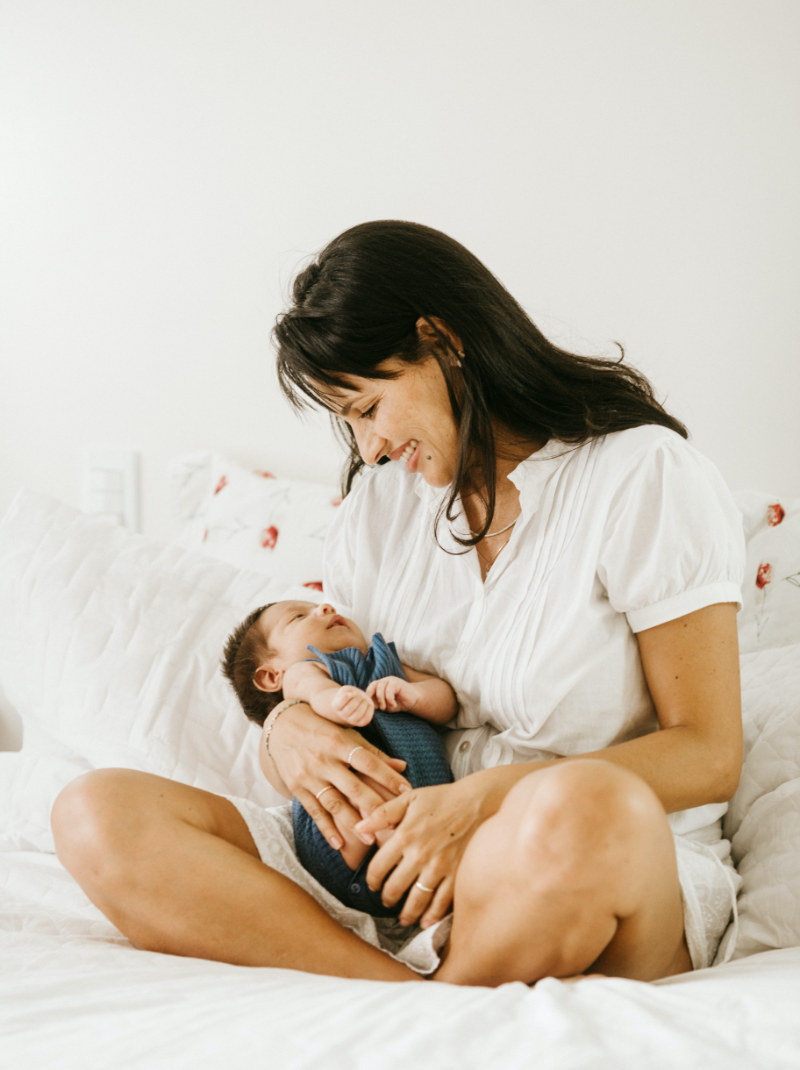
{"points": [[75, 994], [108, 651]]}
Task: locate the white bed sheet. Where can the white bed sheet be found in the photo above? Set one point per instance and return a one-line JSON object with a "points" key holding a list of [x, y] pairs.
{"points": [[75, 994]]}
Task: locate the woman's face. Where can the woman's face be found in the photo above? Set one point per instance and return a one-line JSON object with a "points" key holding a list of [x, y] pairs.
{"points": [[408, 419]]}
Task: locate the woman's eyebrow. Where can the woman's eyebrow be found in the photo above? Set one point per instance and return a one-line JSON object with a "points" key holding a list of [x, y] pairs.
{"points": [[335, 402], [341, 406]]}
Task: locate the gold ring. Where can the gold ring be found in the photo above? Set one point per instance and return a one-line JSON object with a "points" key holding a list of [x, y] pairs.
{"points": [[352, 752], [321, 792], [422, 887]]}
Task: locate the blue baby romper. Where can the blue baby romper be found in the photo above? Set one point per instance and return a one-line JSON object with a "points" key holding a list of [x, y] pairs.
{"points": [[400, 735]]}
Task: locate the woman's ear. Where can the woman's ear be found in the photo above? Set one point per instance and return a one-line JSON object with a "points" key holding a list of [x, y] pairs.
{"points": [[268, 678], [436, 333]]}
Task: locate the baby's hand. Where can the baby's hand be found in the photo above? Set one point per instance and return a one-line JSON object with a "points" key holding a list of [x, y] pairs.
{"points": [[353, 705], [392, 693]]}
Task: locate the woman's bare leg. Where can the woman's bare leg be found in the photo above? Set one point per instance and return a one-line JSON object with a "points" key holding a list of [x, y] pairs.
{"points": [[575, 872], [176, 870]]}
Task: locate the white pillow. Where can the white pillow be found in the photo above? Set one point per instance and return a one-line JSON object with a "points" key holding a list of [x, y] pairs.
{"points": [[763, 819], [253, 519], [110, 646], [770, 614]]}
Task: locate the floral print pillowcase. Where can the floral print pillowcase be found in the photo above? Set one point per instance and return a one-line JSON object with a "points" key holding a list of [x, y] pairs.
{"points": [[253, 519], [263, 522], [770, 614]]}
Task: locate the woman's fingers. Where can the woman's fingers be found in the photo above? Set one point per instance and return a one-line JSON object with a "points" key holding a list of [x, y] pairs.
{"points": [[341, 802], [372, 763], [429, 892], [405, 877], [387, 815], [379, 789], [441, 903], [314, 805], [429, 900], [431, 828]]}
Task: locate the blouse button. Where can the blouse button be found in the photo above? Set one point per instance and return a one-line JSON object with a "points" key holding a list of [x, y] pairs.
{"points": [[464, 747], [355, 888]]}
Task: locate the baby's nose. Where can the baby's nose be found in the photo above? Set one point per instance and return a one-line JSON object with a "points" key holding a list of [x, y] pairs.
{"points": [[325, 609]]}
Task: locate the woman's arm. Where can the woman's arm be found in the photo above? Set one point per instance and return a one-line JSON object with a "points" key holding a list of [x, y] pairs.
{"points": [[692, 669]]}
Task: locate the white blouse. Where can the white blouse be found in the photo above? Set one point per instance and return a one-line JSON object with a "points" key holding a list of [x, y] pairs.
{"points": [[616, 535]]}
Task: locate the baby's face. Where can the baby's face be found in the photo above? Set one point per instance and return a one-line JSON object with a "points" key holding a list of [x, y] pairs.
{"points": [[289, 628]]}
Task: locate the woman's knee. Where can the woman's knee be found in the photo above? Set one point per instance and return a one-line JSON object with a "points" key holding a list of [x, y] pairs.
{"points": [[111, 821], [90, 816], [572, 813]]}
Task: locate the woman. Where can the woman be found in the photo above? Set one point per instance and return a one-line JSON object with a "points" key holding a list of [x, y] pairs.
{"points": [[548, 542]]}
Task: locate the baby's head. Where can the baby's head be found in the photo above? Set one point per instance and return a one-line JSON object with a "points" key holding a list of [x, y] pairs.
{"points": [[273, 637]]}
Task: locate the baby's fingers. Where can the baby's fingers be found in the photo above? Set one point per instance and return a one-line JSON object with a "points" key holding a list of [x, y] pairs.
{"points": [[375, 693], [384, 692]]}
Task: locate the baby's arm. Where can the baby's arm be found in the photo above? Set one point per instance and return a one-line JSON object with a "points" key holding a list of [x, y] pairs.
{"points": [[426, 696], [343, 704]]}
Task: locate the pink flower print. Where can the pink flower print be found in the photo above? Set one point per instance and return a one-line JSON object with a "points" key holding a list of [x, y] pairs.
{"points": [[222, 483], [764, 575], [264, 474], [269, 537], [315, 585], [775, 514]]}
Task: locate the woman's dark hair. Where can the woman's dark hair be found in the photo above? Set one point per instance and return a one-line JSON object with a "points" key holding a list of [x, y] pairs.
{"points": [[357, 304]]}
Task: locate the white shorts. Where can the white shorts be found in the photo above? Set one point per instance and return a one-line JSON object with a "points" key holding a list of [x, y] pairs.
{"points": [[709, 885]]}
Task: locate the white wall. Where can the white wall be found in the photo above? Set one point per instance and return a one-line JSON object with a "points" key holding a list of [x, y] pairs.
{"points": [[629, 168]]}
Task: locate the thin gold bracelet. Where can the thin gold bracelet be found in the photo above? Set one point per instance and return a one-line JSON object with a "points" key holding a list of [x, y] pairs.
{"points": [[271, 725]]}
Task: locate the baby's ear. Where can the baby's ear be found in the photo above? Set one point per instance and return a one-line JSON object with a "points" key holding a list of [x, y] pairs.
{"points": [[268, 678]]}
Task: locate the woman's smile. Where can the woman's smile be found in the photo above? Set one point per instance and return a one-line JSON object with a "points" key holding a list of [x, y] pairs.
{"points": [[405, 454], [407, 418]]}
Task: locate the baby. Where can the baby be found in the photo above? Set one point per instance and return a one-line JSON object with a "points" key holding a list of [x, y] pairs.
{"points": [[300, 650]]}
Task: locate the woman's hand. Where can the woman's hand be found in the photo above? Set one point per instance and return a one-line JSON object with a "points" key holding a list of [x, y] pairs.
{"points": [[337, 776], [431, 829]]}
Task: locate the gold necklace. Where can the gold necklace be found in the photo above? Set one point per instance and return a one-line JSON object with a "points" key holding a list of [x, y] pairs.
{"points": [[490, 534]]}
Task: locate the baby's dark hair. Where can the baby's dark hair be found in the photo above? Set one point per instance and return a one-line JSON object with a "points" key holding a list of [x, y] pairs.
{"points": [[244, 651]]}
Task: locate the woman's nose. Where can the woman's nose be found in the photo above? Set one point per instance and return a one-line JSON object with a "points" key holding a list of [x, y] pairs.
{"points": [[371, 446]]}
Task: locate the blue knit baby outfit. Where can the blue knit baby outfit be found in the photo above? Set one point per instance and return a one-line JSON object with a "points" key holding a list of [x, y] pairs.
{"points": [[400, 735]]}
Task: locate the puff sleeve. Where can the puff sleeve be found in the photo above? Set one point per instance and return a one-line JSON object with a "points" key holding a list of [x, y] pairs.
{"points": [[673, 541]]}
